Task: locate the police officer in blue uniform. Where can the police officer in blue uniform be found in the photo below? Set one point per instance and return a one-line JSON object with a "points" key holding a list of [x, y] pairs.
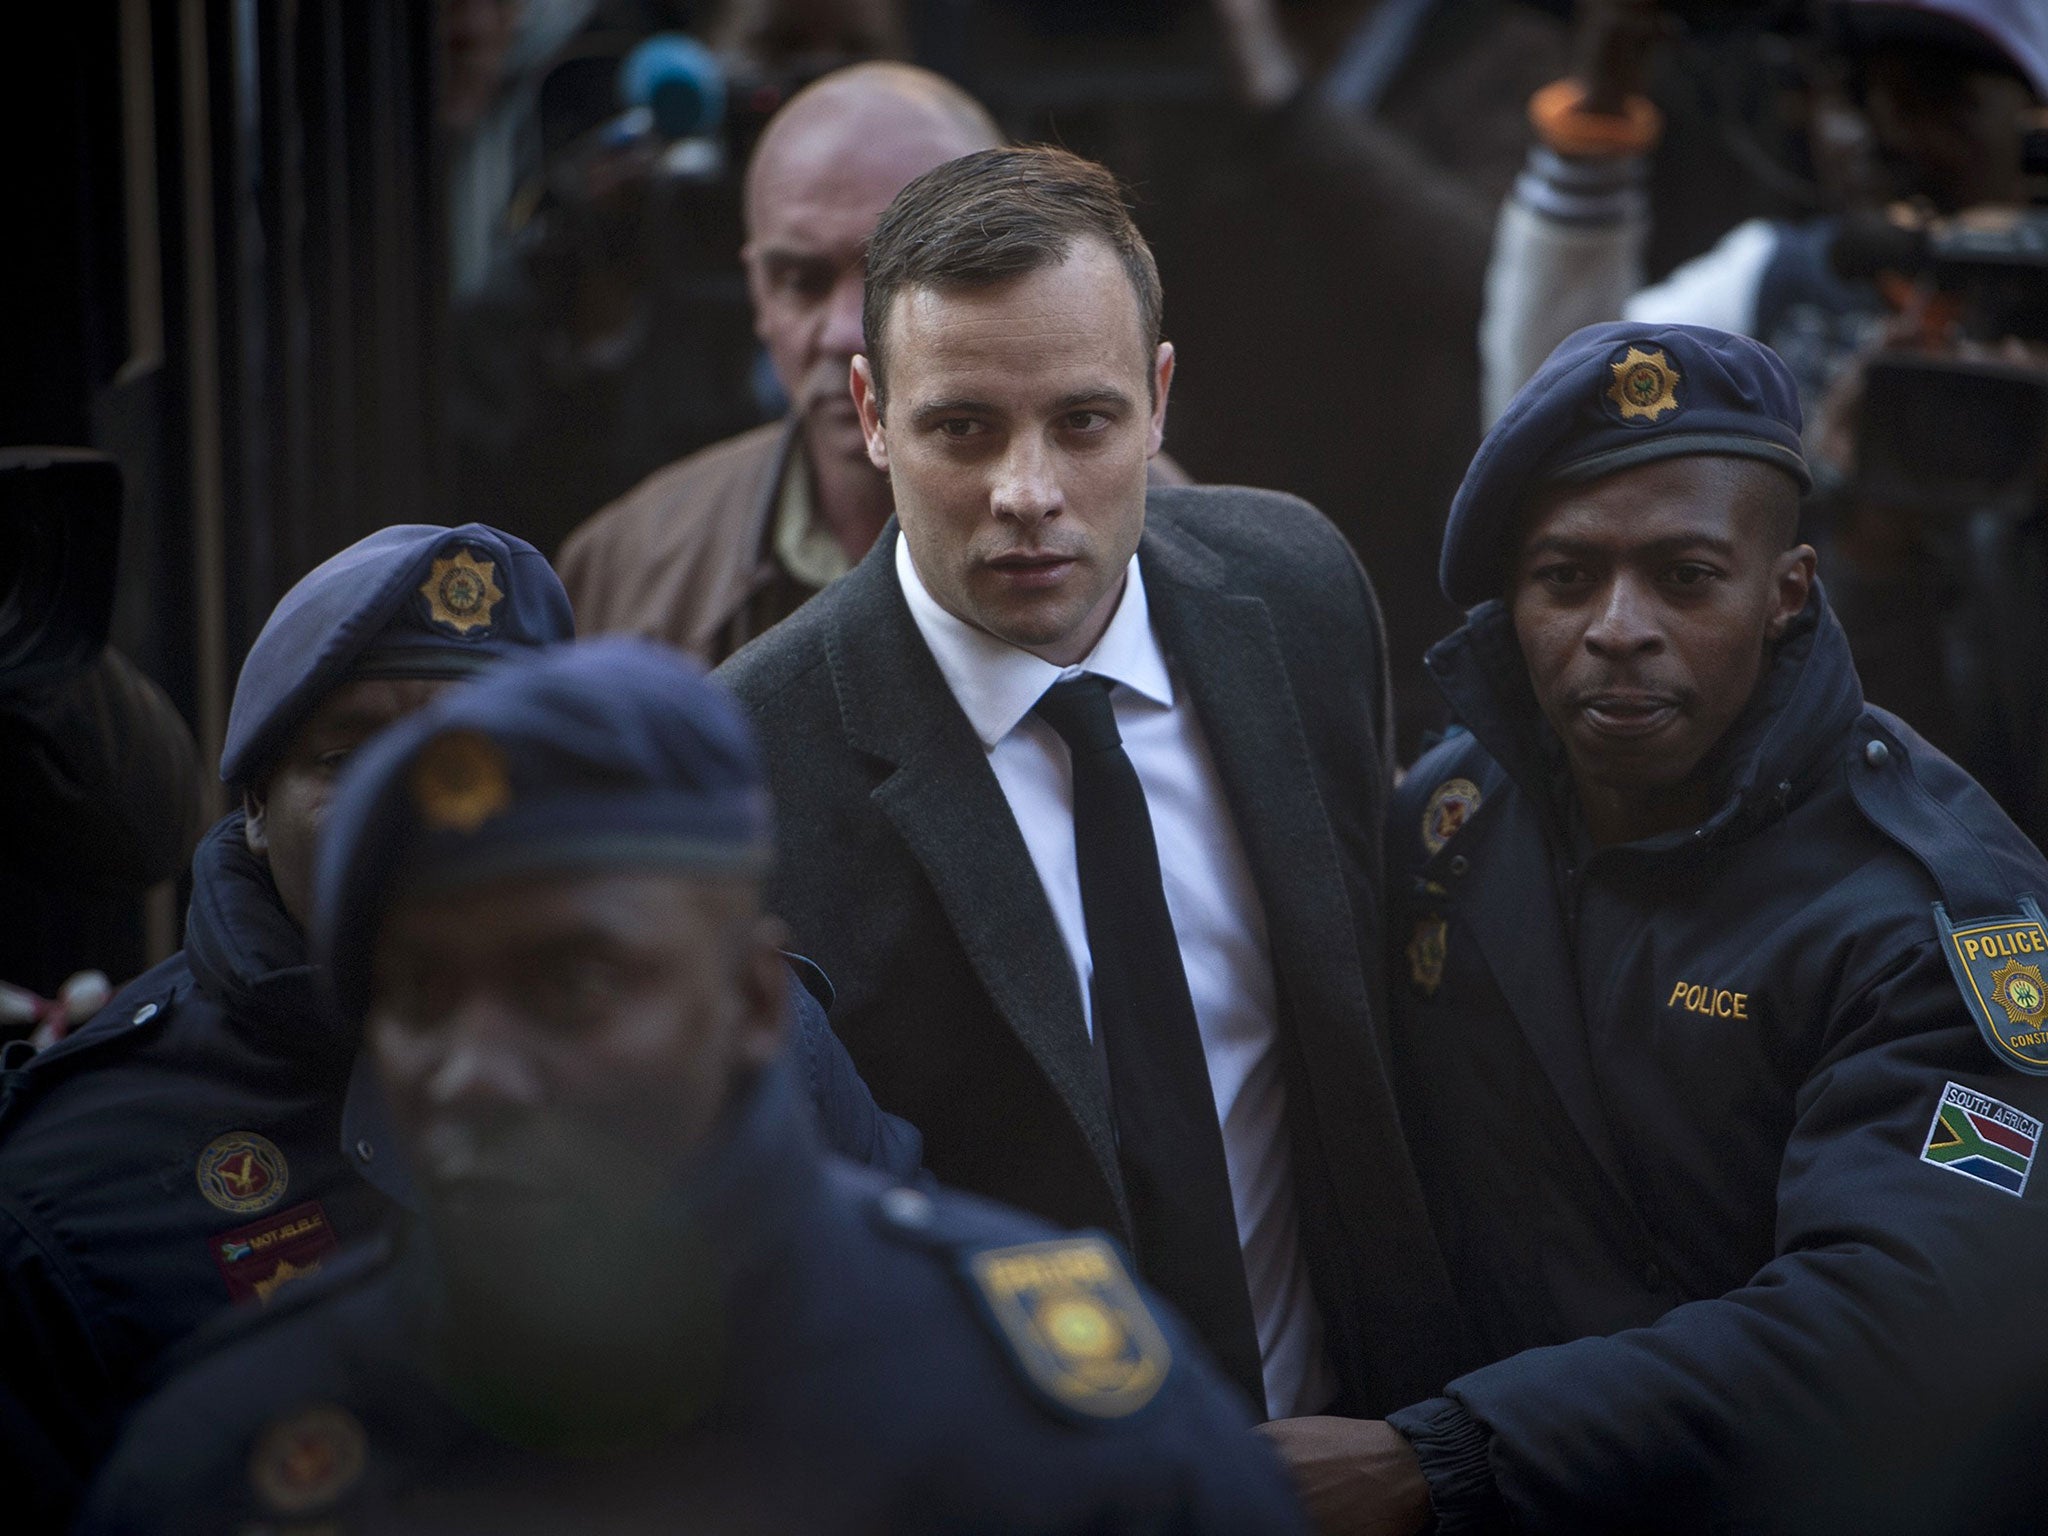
{"points": [[640, 1295], [197, 1144], [1720, 1024]]}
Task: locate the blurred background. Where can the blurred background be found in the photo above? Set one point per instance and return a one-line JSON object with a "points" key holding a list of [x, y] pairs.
{"points": [[303, 269]]}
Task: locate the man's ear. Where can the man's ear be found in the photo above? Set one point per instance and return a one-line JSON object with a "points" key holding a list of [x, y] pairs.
{"points": [[757, 289], [1792, 584], [254, 835], [867, 400], [1162, 381]]}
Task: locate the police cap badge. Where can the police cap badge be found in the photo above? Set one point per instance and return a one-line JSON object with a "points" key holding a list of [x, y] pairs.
{"points": [[306, 1462], [1645, 386], [459, 781], [461, 592]]}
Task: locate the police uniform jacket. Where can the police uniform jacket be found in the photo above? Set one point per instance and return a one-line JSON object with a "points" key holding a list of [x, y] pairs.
{"points": [[1735, 1192], [199, 1144], [867, 1358]]}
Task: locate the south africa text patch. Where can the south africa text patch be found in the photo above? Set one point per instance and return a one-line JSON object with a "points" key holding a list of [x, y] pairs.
{"points": [[1982, 1138]]}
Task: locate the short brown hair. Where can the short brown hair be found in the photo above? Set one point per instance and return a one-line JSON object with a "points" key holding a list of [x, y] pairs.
{"points": [[996, 214]]}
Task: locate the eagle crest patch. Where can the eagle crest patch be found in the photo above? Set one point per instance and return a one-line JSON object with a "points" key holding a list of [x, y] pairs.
{"points": [[1451, 805]]}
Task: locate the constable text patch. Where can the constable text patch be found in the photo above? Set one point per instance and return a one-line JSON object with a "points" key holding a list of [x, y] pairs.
{"points": [[1982, 1138]]}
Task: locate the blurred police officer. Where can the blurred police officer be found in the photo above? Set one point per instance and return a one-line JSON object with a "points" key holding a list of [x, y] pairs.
{"points": [[640, 1289], [200, 1143], [184, 1150], [1721, 1023]]}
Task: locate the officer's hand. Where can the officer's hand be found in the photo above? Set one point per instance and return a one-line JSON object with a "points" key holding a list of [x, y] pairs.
{"points": [[1356, 1477]]}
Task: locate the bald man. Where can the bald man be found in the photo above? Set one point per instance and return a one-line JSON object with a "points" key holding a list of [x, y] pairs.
{"points": [[713, 549]]}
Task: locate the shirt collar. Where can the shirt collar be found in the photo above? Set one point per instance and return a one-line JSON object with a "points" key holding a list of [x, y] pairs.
{"points": [[805, 546], [996, 683]]}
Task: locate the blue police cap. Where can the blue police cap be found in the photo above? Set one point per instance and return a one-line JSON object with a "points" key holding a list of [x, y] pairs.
{"points": [[611, 753], [414, 600], [1610, 397]]}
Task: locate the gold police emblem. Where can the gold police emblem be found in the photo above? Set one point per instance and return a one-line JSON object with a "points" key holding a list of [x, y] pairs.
{"points": [[1426, 949], [1075, 1323], [462, 592], [2020, 991], [305, 1462], [1451, 805], [1645, 384], [459, 781], [242, 1172]]}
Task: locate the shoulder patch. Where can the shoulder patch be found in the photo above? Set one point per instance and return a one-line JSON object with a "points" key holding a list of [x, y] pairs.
{"points": [[1998, 964], [1451, 803], [1982, 1138], [1074, 1323]]}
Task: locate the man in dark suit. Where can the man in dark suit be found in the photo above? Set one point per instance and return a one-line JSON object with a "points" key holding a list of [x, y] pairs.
{"points": [[1078, 792]]}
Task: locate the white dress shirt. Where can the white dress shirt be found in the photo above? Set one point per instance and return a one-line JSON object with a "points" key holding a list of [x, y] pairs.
{"points": [[1216, 913]]}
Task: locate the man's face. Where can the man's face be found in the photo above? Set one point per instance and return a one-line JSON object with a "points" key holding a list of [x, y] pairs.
{"points": [[282, 819], [1020, 417], [1644, 602], [813, 201], [556, 1046]]}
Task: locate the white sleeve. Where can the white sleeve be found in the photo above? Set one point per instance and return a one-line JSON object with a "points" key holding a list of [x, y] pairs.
{"points": [[1719, 288], [1567, 253], [1547, 279]]}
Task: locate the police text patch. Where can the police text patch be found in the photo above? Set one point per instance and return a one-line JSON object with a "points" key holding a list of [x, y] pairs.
{"points": [[1999, 967], [1982, 1138], [1075, 1324]]}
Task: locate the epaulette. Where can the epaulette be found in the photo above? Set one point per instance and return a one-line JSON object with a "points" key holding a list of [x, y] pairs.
{"points": [[1991, 933], [133, 1018], [1065, 1310]]}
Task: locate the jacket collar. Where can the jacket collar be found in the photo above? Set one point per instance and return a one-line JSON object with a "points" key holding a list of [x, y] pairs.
{"points": [[246, 953], [1770, 758]]}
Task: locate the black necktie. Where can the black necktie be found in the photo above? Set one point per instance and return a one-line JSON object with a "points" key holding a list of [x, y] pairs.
{"points": [[1168, 1142]]}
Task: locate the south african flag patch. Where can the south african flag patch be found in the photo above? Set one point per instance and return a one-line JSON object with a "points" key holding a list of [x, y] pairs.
{"points": [[1982, 1139]]}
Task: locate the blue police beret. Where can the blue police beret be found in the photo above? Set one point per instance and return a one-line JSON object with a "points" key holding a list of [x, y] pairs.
{"points": [[611, 753], [414, 600], [1610, 397]]}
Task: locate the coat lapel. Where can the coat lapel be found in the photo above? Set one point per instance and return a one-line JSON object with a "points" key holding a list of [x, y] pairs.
{"points": [[1230, 663], [944, 801]]}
